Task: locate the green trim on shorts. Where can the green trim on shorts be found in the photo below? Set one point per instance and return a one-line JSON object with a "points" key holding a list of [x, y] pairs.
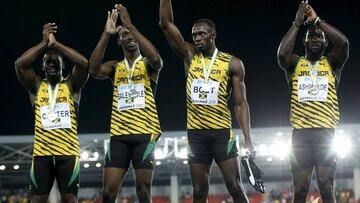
{"points": [[108, 153], [32, 175], [230, 144], [149, 148], [76, 171]]}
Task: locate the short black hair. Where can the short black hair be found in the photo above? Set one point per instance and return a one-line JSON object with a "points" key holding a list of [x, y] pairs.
{"points": [[210, 23], [52, 52], [313, 27]]}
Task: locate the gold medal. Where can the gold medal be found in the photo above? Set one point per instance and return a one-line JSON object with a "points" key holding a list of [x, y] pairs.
{"points": [[52, 116]]}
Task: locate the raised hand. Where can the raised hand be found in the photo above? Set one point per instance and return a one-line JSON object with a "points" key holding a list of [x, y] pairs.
{"points": [[48, 28], [110, 26], [52, 41], [124, 15], [310, 13], [300, 14]]}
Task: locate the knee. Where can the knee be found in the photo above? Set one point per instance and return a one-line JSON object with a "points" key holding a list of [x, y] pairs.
{"points": [[68, 198], [300, 190], [200, 191], [326, 189], [236, 191], [143, 192], [39, 198], [110, 191]]}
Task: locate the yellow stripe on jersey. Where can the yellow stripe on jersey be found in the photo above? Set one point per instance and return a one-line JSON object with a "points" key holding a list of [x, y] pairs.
{"points": [[135, 120], [314, 113], [210, 116], [59, 141]]}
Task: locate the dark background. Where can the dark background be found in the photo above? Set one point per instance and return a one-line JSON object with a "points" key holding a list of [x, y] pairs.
{"points": [[249, 29]]}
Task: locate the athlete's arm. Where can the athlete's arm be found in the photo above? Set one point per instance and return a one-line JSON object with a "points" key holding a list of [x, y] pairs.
{"points": [[241, 105], [147, 48], [172, 33], [340, 52], [26, 75], [286, 58], [79, 73], [96, 68]]}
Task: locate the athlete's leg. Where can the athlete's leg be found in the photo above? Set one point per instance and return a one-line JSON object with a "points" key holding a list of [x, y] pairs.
{"points": [[42, 176], [302, 163], [117, 162], [113, 178], [325, 166], [230, 170], [301, 184], [143, 179], [68, 198], [143, 163], [200, 181], [325, 179], [39, 198], [68, 177]]}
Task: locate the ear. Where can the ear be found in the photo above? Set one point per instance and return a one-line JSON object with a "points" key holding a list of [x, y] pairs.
{"points": [[304, 41], [43, 65], [326, 42], [119, 41]]}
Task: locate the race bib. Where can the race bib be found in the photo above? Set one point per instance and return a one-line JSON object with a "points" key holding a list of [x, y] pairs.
{"points": [[131, 96], [307, 91], [204, 93], [59, 118]]}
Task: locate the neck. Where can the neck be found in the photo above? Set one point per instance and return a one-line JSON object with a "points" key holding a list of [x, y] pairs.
{"points": [[53, 80], [209, 52], [313, 56], [131, 55]]}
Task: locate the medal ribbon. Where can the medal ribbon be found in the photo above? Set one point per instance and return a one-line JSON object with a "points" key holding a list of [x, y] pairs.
{"points": [[130, 72], [313, 71], [207, 70], [52, 96]]}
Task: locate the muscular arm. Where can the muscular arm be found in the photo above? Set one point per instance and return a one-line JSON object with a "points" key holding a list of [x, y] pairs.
{"points": [[26, 75], [24, 72], [241, 105], [79, 74], [96, 68], [182, 48], [286, 58], [338, 56]]}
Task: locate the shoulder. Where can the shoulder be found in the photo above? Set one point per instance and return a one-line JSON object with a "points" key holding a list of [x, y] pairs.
{"points": [[236, 65]]}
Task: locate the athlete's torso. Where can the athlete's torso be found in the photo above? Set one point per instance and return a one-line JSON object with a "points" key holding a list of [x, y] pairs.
{"points": [[133, 109], [55, 133], [207, 106], [314, 102]]}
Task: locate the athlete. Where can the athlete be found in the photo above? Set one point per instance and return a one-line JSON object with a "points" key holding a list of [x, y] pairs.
{"points": [[135, 124], [212, 75], [313, 81], [55, 101]]}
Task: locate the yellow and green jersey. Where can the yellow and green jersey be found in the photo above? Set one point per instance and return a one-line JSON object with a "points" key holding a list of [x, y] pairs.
{"points": [[314, 102], [206, 99], [55, 127], [133, 108]]}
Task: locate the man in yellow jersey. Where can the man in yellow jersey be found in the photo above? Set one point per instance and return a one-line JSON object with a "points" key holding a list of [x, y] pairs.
{"points": [[55, 101], [134, 121], [212, 76], [313, 81]]}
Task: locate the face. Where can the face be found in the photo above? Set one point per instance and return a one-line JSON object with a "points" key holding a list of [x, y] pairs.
{"points": [[53, 64], [203, 36], [315, 40], [127, 40]]}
